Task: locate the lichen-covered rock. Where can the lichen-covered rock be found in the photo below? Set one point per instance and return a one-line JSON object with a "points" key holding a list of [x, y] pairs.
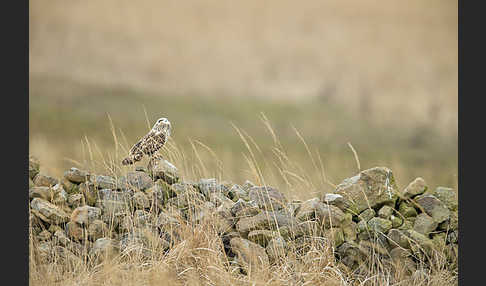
{"points": [[135, 180], [448, 196], [350, 254], [249, 255], [237, 192], [261, 236], [267, 198], [407, 224], [424, 224], [350, 231], [90, 192], [335, 235], [103, 182], [61, 238], [396, 221], [244, 209], [335, 200], [416, 187], [379, 225], [385, 212], [85, 215], [48, 212], [420, 242], [76, 175], [163, 169], [369, 189], [433, 207], [328, 215], [44, 235], [367, 214], [265, 220], [406, 210], [42, 180], [76, 200], [110, 201], [140, 200]]}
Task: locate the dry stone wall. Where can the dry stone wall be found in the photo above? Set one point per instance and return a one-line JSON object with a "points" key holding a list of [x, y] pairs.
{"points": [[142, 212]]}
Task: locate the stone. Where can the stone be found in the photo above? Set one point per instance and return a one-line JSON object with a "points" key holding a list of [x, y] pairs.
{"points": [[103, 182], [328, 215], [350, 231], [243, 208], [207, 186], [335, 200], [335, 235], [379, 225], [420, 242], [433, 207], [44, 193], [265, 220], [267, 198], [439, 240], [247, 185], [367, 214], [385, 212], [237, 192], [369, 189], [140, 200], [74, 231], [398, 238], [447, 196], [76, 200], [249, 255], [48, 212], [163, 169], [110, 201], [69, 186], [85, 215], [136, 180], [407, 224], [416, 187], [31, 183], [406, 210], [42, 180], [76, 175], [452, 237], [261, 236], [424, 224], [276, 249], [90, 192], [97, 229], [350, 254], [396, 221], [402, 260], [53, 228], [34, 166]]}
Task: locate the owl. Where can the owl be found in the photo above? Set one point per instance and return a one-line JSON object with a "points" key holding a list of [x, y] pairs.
{"points": [[150, 143]]}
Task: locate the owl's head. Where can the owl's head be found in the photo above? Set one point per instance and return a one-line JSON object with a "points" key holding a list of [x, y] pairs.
{"points": [[162, 125]]}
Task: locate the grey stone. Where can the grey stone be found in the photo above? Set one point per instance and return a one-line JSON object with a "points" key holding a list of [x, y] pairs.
{"points": [[97, 229], [261, 236], [385, 212], [448, 196], [328, 215], [76, 200], [136, 180], [416, 187], [267, 198], [48, 212], [74, 231], [110, 201], [406, 210], [163, 169], [140, 200], [369, 189], [76, 175], [103, 182], [379, 225], [433, 207], [42, 180], [367, 214], [424, 224], [236, 192], [276, 249], [104, 249]]}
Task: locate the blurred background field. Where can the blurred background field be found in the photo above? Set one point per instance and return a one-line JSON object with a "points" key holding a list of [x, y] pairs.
{"points": [[381, 75]]}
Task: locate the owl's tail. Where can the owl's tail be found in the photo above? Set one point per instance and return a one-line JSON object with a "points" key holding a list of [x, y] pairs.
{"points": [[127, 161]]}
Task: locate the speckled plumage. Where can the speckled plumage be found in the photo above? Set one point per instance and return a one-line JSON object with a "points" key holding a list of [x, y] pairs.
{"points": [[150, 143]]}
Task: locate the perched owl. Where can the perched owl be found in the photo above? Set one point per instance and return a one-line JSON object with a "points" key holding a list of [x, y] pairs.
{"points": [[150, 143]]}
